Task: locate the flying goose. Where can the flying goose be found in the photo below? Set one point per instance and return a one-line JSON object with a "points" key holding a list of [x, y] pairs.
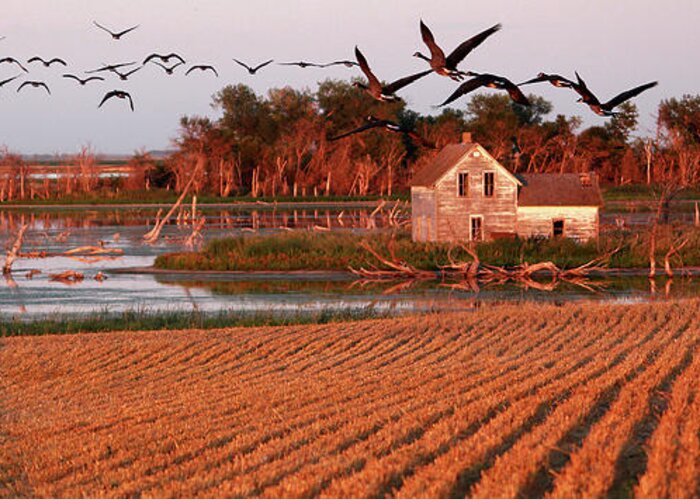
{"points": [[344, 62], [381, 92], [252, 70], [125, 76], [34, 84], [47, 63], [165, 58], [202, 67], [119, 94], [15, 61], [115, 35], [82, 81], [447, 66], [374, 122], [302, 64], [556, 80], [110, 67], [168, 70], [606, 108], [4, 82], [490, 81]]}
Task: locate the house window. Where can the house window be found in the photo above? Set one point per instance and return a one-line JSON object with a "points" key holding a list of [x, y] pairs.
{"points": [[476, 232], [463, 184], [488, 183], [558, 227]]}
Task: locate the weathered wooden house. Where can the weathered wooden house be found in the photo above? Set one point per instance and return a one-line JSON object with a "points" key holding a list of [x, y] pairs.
{"points": [[465, 194]]}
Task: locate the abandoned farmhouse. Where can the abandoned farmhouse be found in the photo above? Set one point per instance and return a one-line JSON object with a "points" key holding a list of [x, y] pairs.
{"points": [[465, 194]]}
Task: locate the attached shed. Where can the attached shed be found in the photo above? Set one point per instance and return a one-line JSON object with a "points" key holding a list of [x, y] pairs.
{"points": [[465, 194]]}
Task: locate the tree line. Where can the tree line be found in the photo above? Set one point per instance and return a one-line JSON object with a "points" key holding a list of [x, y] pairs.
{"points": [[277, 145]]}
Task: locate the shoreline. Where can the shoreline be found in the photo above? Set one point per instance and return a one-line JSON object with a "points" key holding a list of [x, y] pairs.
{"points": [[233, 204], [318, 274]]}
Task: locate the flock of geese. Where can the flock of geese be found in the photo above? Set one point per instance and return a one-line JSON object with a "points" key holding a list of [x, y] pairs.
{"points": [[443, 65]]}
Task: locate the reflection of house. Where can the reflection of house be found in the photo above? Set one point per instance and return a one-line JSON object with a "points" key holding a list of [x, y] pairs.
{"points": [[464, 194]]}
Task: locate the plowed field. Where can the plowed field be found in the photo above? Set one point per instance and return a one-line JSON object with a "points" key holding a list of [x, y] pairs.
{"points": [[586, 400]]}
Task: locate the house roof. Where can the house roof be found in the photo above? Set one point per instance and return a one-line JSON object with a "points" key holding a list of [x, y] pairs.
{"points": [[446, 159], [441, 164], [537, 190], [557, 190]]}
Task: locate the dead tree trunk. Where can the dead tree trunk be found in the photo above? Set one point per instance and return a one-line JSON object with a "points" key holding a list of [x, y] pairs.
{"points": [[14, 250], [675, 247], [152, 235]]}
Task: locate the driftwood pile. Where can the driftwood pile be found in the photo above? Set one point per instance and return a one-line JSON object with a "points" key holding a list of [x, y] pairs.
{"points": [[473, 274]]}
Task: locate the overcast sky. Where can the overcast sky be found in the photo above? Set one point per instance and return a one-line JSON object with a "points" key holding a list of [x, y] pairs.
{"points": [[614, 44]]}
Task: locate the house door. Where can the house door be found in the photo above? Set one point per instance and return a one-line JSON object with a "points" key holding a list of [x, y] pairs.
{"points": [[476, 232], [558, 227]]}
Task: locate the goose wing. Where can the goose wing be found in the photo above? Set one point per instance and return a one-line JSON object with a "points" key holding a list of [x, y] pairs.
{"points": [[467, 46], [122, 33], [581, 89], [202, 67], [243, 64], [514, 92], [103, 28], [34, 59], [338, 63], [42, 84], [15, 61], [540, 78], [402, 82], [166, 57], [107, 96], [4, 82], [262, 65], [131, 101], [374, 82], [175, 56], [362, 128], [628, 94], [436, 53], [467, 87], [129, 73], [420, 140], [57, 60]]}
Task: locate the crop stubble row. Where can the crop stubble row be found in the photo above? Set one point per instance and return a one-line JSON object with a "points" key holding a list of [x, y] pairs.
{"points": [[462, 404]]}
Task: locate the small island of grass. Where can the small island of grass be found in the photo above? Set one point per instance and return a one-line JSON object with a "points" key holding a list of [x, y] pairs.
{"points": [[300, 251]]}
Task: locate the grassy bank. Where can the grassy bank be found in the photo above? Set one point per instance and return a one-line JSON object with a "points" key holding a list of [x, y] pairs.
{"points": [[138, 320], [340, 250]]}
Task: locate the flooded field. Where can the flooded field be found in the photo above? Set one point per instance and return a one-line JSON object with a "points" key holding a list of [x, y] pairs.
{"points": [[31, 292]]}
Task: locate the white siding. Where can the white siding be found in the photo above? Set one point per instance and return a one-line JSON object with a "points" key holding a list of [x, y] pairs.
{"points": [[580, 223]]}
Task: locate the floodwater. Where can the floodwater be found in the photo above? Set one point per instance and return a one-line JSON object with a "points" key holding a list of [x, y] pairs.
{"points": [[31, 294]]}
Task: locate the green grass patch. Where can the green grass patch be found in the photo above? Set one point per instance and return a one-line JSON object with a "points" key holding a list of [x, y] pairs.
{"points": [[340, 250], [138, 320]]}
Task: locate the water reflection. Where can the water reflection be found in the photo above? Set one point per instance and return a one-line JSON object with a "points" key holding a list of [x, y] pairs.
{"points": [[30, 292]]}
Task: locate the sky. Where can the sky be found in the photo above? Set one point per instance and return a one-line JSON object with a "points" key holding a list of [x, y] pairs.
{"points": [[614, 44]]}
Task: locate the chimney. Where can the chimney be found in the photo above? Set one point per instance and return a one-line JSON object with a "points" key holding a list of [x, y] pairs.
{"points": [[466, 137]]}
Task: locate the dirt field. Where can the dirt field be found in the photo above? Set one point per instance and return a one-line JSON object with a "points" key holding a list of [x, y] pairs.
{"points": [[588, 400]]}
